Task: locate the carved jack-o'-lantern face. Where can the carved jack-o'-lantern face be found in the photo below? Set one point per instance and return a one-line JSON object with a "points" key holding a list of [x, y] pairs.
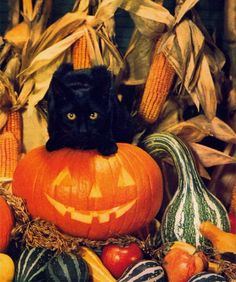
{"points": [[89, 195]]}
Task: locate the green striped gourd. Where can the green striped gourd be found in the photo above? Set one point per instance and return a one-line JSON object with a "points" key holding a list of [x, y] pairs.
{"points": [[207, 277], [32, 264], [67, 268], [192, 203], [144, 270]]}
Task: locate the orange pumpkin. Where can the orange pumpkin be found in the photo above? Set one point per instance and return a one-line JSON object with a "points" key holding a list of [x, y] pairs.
{"points": [[90, 195], [6, 224]]}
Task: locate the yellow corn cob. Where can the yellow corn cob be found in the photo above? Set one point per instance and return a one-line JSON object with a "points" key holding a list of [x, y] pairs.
{"points": [[14, 125], [9, 153], [80, 55], [159, 81], [233, 200], [10, 144]]}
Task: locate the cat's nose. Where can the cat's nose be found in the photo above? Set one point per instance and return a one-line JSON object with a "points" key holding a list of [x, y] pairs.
{"points": [[82, 128]]}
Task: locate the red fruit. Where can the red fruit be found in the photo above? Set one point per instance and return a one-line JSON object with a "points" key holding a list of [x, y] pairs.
{"points": [[117, 258], [232, 219]]}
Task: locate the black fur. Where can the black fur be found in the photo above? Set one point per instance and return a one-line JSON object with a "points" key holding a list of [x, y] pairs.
{"points": [[82, 93]]}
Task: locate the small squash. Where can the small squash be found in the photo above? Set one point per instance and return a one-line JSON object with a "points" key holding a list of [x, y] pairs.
{"points": [[67, 267], [192, 202], [7, 268], [32, 264], [98, 271], [181, 263], [223, 242], [144, 270], [6, 224], [207, 277]]}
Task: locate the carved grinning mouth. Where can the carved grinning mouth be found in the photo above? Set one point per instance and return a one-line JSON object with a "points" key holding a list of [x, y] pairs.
{"points": [[103, 216]]}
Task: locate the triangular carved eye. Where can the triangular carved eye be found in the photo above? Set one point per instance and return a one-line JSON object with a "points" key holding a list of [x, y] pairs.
{"points": [[125, 179], [95, 191], [64, 178]]}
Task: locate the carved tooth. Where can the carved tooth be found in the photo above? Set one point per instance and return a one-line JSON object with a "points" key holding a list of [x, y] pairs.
{"points": [[103, 217], [85, 218]]}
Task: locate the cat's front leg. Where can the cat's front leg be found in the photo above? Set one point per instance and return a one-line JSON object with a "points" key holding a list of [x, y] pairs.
{"points": [[51, 145], [107, 147]]}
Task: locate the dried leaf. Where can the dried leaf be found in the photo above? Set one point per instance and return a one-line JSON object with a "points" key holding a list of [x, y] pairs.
{"points": [[170, 116], [186, 6], [205, 90], [150, 29], [107, 52], [13, 67], [35, 129], [211, 157], [202, 171], [25, 91], [223, 131], [42, 80], [14, 12], [137, 58], [185, 51], [3, 119], [224, 178], [188, 131], [7, 93], [28, 9], [149, 10], [51, 53], [81, 6], [63, 27], [41, 13], [18, 35]]}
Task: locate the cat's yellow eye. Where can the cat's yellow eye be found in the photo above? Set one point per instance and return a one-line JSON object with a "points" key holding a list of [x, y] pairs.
{"points": [[93, 116], [71, 116]]}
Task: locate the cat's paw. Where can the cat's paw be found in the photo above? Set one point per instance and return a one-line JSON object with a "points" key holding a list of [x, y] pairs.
{"points": [[52, 146], [107, 149]]}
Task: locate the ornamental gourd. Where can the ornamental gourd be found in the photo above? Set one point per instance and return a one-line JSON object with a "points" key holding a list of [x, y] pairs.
{"points": [[6, 224], [89, 195], [192, 202]]}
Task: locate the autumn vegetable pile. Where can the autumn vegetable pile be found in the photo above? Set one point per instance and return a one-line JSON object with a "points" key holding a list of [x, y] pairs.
{"points": [[160, 209]]}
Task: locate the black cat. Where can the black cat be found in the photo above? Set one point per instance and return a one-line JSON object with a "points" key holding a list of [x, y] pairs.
{"points": [[84, 112]]}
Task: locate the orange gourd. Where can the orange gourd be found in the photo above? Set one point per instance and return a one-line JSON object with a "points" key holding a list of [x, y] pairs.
{"points": [[6, 224], [222, 241], [89, 195], [183, 261]]}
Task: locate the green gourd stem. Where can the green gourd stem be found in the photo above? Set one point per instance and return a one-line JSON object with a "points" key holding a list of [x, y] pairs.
{"points": [[192, 203], [180, 154]]}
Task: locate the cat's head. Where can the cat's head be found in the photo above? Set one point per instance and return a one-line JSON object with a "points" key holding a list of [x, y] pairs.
{"points": [[79, 104]]}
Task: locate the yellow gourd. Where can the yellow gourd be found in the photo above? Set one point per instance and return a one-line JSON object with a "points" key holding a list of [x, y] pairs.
{"points": [[184, 246], [98, 271], [7, 268], [222, 241]]}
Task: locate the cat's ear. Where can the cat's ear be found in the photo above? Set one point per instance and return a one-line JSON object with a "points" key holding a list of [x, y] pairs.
{"points": [[102, 79], [63, 70], [57, 87]]}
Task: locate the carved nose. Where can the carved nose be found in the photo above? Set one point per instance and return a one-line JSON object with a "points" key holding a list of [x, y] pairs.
{"points": [[95, 192]]}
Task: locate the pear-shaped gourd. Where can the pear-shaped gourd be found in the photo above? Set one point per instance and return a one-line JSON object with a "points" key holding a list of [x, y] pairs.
{"points": [[192, 203]]}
